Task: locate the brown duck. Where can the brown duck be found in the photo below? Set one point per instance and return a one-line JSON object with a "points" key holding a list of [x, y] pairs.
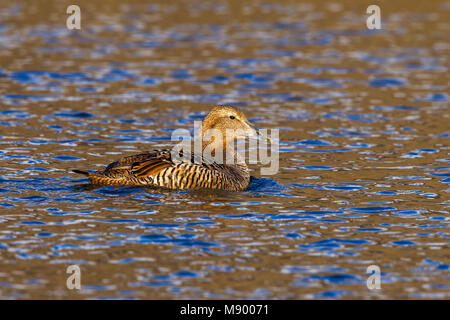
{"points": [[158, 168]]}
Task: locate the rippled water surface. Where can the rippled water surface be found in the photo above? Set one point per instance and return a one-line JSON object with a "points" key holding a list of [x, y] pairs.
{"points": [[364, 149]]}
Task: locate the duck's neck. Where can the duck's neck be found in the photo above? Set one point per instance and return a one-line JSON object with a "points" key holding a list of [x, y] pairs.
{"points": [[223, 152]]}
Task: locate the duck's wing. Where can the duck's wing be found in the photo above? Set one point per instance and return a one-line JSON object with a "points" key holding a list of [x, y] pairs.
{"points": [[144, 164], [152, 164]]}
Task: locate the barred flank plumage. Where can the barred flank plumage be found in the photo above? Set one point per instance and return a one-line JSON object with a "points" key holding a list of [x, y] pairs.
{"points": [[157, 169]]}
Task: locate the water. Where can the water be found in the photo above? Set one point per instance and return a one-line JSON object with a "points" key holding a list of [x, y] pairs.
{"points": [[364, 168]]}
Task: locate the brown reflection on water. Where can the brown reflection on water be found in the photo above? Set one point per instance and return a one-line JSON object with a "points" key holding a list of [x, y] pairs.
{"points": [[364, 129]]}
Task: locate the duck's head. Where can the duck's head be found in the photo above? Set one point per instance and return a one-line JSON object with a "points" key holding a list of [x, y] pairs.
{"points": [[230, 123]]}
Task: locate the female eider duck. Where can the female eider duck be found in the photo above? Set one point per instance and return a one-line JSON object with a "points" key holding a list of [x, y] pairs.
{"points": [[157, 168]]}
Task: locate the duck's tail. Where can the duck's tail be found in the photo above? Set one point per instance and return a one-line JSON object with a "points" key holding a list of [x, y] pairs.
{"points": [[86, 173], [98, 178]]}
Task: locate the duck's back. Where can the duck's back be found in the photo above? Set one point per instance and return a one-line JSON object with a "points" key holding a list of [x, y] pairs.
{"points": [[157, 168]]}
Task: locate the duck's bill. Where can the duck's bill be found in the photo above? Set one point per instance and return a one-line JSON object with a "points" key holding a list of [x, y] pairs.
{"points": [[256, 134]]}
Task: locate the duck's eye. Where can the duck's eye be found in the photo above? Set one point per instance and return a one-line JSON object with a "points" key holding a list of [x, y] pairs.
{"points": [[232, 117]]}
